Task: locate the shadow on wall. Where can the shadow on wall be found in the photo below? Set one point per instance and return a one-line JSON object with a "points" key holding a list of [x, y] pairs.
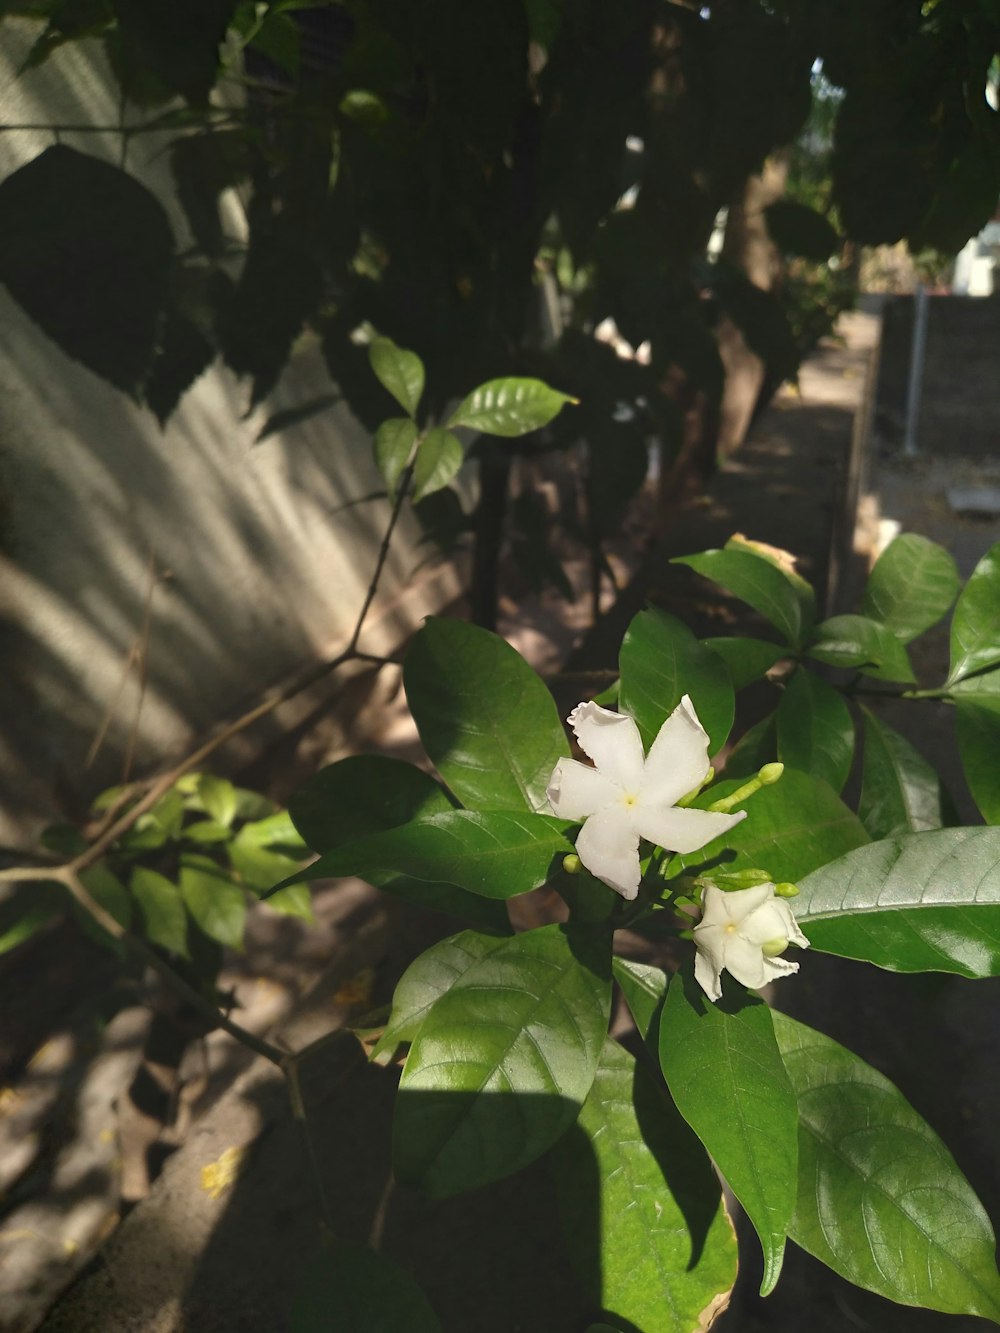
{"points": [[241, 556]]}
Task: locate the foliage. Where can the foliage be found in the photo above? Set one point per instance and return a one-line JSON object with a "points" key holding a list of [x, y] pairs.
{"points": [[503, 1037], [436, 178]]}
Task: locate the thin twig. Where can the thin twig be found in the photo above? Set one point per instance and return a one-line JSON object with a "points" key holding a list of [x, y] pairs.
{"points": [[383, 552]]}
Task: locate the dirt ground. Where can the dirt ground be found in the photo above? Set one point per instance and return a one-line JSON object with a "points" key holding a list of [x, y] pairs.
{"points": [[229, 1221]]}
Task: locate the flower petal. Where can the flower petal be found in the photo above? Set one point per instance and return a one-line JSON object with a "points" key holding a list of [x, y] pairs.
{"points": [[576, 790], [708, 974], [612, 740], [678, 757], [746, 963], [771, 921], [608, 846], [682, 831]]}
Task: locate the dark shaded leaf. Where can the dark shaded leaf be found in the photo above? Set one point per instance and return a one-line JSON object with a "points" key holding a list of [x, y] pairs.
{"points": [[86, 251]]}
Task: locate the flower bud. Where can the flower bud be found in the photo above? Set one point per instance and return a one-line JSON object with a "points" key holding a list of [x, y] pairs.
{"points": [[571, 864], [770, 773], [774, 948], [786, 890]]}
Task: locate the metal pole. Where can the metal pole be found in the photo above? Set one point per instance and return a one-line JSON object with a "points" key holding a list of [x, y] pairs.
{"points": [[915, 386]]}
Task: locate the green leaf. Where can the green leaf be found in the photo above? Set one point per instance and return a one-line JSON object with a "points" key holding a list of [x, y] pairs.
{"points": [[815, 729], [394, 441], [426, 980], [486, 720], [257, 866], [354, 1288], [746, 660], [975, 626], [207, 831], [218, 797], [660, 661], [784, 599], [86, 251], [880, 1199], [799, 230], [791, 828], [217, 904], [162, 909], [857, 641], [978, 727], [362, 795], [900, 792], [755, 748], [986, 684], [105, 887], [27, 910], [503, 1062], [644, 988], [725, 1073], [912, 585], [631, 1167], [399, 371], [495, 853], [921, 902], [367, 794], [438, 459], [509, 407]]}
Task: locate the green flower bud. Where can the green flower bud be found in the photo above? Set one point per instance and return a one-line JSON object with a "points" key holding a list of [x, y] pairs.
{"points": [[786, 890], [571, 864], [770, 773], [774, 948]]}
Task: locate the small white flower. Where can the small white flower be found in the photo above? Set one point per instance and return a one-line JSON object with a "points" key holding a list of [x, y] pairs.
{"points": [[745, 932], [629, 796]]}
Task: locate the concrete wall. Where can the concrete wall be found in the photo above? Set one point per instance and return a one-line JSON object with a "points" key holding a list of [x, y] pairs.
{"points": [[235, 546]]}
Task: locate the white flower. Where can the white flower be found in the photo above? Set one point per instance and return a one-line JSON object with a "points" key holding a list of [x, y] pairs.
{"points": [[745, 932], [629, 796]]}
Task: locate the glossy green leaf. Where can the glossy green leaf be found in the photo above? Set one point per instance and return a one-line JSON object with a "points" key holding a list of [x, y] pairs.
{"points": [[912, 585], [486, 720], [399, 371], [900, 792], [975, 626], [921, 902], [162, 907], [275, 829], [725, 1073], [815, 729], [353, 1289], [978, 728], [438, 459], [660, 661], [755, 748], [495, 853], [664, 1252], [394, 441], [987, 683], [747, 659], [880, 1199], [644, 987], [426, 980], [783, 599], [791, 828], [363, 795], [218, 797], [858, 641], [217, 904], [509, 407], [504, 1060]]}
